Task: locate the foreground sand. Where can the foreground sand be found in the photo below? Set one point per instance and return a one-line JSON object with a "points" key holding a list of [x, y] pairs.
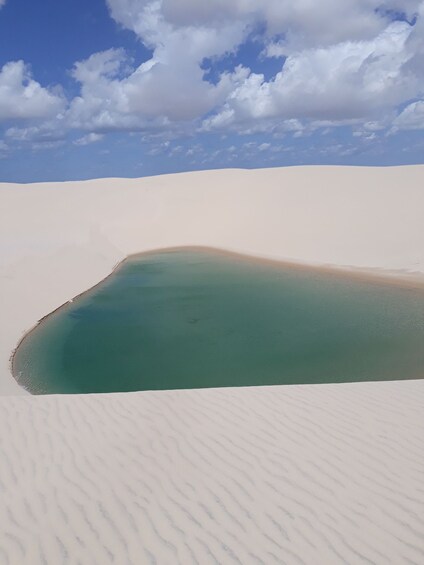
{"points": [[324, 474], [304, 475]]}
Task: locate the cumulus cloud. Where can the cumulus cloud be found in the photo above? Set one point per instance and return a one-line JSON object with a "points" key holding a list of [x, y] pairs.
{"points": [[340, 62], [154, 94], [349, 80], [169, 87], [303, 22], [416, 48], [21, 97], [346, 60]]}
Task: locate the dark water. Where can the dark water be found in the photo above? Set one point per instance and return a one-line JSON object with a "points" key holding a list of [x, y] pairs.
{"points": [[192, 319]]}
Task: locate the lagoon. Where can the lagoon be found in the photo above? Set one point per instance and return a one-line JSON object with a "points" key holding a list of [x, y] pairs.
{"points": [[195, 318]]}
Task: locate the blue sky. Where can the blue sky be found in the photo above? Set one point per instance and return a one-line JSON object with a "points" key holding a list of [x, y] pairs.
{"points": [[130, 88]]}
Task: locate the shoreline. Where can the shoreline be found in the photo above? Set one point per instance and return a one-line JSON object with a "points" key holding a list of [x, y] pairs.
{"points": [[311, 217], [345, 273], [406, 279]]}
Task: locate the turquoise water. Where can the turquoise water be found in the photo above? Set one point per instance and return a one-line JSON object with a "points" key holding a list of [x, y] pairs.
{"points": [[194, 319]]}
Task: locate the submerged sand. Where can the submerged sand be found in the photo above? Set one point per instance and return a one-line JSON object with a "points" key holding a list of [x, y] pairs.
{"points": [[310, 474]]}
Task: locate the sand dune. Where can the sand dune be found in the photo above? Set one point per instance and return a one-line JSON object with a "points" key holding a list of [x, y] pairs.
{"points": [[310, 474], [304, 475]]}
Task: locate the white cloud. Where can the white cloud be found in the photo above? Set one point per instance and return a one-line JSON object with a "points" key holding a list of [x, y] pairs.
{"points": [[21, 97], [170, 87], [2, 3], [89, 138], [415, 47], [45, 132], [155, 94], [412, 117], [264, 146], [304, 23], [347, 63], [349, 80], [346, 60]]}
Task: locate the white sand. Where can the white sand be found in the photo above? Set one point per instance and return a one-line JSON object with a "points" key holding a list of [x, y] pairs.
{"points": [[325, 474]]}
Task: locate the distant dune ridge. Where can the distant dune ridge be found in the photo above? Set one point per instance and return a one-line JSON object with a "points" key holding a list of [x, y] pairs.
{"points": [[308, 474]]}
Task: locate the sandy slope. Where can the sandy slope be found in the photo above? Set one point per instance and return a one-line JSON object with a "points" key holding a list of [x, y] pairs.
{"points": [[325, 474]]}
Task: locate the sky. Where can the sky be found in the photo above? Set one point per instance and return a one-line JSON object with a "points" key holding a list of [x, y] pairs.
{"points": [[131, 88]]}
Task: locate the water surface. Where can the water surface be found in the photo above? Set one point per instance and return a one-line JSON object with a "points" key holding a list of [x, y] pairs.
{"points": [[196, 318]]}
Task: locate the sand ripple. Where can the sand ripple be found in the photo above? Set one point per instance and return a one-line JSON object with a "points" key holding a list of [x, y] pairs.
{"points": [[303, 475]]}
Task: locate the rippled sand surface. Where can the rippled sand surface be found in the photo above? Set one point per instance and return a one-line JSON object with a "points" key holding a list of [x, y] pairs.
{"points": [[323, 474]]}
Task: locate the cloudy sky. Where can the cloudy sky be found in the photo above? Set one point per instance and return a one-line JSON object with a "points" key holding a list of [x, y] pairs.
{"points": [[92, 88]]}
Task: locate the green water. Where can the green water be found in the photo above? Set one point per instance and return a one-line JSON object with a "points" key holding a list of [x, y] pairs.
{"points": [[193, 319]]}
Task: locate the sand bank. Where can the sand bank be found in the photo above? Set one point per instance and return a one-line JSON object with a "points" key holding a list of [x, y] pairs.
{"points": [[324, 474]]}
